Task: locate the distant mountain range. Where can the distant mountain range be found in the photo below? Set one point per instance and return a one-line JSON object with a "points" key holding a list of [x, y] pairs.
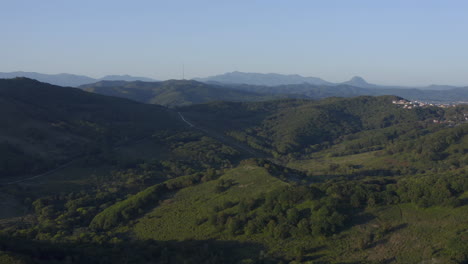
{"points": [[230, 78], [273, 79], [72, 80], [268, 79], [239, 86], [453, 95], [175, 93]]}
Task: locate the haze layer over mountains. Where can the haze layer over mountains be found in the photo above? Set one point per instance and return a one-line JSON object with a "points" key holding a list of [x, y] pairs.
{"points": [[242, 87], [236, 77]]}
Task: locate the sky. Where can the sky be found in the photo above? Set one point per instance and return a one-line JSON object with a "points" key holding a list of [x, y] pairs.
{"points": [[398, 42]]}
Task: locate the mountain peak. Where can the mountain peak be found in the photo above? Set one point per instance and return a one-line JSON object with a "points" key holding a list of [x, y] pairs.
{"points": [[358, 80]]}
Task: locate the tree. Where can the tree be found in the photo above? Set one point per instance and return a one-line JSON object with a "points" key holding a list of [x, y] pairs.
{"points": [[293, 216], [233, 226]]}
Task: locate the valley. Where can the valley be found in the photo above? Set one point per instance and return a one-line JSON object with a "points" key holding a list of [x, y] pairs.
{"points": [[291, 180]]}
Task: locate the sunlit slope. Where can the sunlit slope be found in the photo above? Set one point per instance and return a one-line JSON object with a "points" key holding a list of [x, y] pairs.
{"points": [[185, 215]]}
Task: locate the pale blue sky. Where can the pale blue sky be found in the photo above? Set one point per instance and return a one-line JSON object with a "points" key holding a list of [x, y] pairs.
{"points": [[412, 42]]}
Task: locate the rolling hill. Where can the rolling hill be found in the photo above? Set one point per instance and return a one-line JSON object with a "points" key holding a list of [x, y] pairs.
{"points": [[45, 125], [263, 79], [350, 89], [275, 79], [173, 93], [66, 79], [294, 125]]}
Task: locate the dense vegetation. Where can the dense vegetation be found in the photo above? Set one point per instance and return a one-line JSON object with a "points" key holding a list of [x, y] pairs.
{"points": [[357, 180], [296, 127]]}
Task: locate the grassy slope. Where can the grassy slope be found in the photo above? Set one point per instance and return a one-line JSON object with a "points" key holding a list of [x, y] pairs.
{"points": [[415, 234], [176, 218]]}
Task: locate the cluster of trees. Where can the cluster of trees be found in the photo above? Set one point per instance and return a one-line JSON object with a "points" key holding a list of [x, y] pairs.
{"points": [[123, 211], [194, 146], [431, 190], [279, 215], [422, 190], [378, 139], [323, 208], [435, 146]]}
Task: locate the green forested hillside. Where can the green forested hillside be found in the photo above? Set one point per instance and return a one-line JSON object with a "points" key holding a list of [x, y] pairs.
{"points": [[290, 126], [355, 180], [173, 93]]}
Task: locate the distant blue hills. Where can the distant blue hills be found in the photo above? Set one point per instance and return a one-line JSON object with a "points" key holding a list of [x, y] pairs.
{"points": [[274, 79], [230, 78], [263, 79], [73, 80]]}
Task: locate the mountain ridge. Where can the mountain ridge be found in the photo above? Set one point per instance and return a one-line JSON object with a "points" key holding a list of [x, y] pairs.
{"points": [[47, 125], [275, 79], [268, 79], [173, 92], [229, 78], [67, 79]]}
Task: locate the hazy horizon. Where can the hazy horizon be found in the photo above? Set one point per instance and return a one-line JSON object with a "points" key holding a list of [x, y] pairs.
{"points": [[413, 43], [202, 77]]}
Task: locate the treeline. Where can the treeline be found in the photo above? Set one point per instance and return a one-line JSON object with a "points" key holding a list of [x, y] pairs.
{"points": [[60, 216], [436, 146], [279, 215], [122, 212], [323, 209]]}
